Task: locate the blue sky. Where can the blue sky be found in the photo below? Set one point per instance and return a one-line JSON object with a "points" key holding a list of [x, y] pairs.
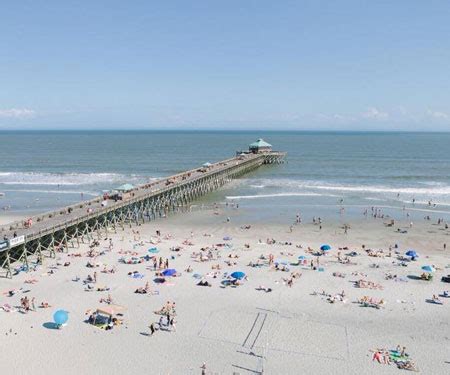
{"points": [[350, 65]]}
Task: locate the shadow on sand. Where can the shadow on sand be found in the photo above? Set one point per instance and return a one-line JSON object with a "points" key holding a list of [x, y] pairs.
{"points": [[50, 325]]}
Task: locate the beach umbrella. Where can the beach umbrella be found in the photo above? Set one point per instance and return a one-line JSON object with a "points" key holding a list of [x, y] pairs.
{"points": [[153, 250], [412, 253], [169, 272], [302, 257], [227, 238], [428, 269], [325, 247], [282, 261], [238, 275], [60, 317]]}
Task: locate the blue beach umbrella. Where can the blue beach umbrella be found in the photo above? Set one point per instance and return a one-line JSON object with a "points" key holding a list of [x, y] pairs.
{"points": [[238, 275], [412, 253], [153, 250], [428, 269], [60, 317], [169, 272], [325, 247], [302, 257]]}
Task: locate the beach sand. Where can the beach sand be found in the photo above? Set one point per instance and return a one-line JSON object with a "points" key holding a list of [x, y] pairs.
{"points": [[237, 330]]}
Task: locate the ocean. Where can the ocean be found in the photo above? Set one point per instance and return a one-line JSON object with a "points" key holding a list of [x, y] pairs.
{"points": [[43, 170]]}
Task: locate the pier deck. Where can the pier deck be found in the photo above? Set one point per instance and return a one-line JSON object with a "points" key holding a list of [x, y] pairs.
{"points": [[54, 231]]}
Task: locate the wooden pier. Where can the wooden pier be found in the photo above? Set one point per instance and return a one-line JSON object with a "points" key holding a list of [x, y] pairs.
{"points": [[24, 246]]}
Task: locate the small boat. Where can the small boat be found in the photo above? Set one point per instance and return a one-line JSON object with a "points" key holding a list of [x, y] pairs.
{"points": [[2, 194]]}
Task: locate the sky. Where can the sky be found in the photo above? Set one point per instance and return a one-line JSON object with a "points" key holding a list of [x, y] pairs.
{"points": [[235, 64]]}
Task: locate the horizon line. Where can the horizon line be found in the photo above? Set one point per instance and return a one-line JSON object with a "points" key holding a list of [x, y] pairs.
{"points": [[218, 130]]}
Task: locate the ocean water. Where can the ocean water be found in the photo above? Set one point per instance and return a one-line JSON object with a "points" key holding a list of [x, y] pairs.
{"points": [[41, 170]]}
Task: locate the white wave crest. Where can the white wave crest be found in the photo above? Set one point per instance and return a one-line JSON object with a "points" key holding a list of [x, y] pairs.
{"points": [[66, 179], [429, 189], [235, 197]]}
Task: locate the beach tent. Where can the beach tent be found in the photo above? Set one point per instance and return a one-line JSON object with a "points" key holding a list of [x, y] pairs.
{"points": [[207, 164], [169, 272], [125, 187], [325, 247], [238, 275], [282, 261], [111, 310]]}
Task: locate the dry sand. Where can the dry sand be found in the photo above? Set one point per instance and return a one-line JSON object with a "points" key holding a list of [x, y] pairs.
{"points": [[237, 330]]}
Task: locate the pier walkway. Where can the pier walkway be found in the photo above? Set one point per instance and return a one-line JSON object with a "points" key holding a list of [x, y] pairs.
{"points": [[59, 229]]}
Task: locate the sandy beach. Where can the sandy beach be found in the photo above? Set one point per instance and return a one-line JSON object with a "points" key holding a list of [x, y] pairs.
{"points": [[304, 321]]}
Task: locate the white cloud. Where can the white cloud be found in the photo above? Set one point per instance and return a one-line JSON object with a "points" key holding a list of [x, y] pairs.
{"points": [[18, 113], [438, 115], [376, 114], [336, 117]]}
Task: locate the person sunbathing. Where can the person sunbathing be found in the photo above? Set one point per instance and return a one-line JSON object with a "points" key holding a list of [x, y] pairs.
{"points": [[102, 288], [406, 365], [89, 279], [436, 299], [107, 300], [203, 282], [265, 289], [44, 305]]}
